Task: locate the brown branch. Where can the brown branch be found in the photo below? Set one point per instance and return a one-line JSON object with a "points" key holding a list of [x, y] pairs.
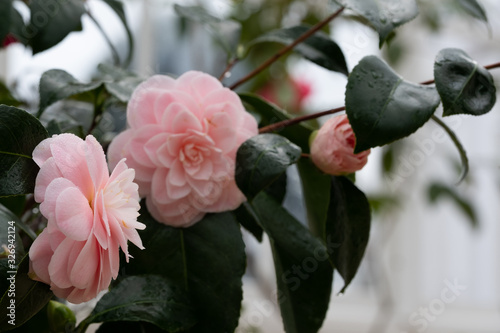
{"points": [[229, 66], [293, 121], [284, 50]]}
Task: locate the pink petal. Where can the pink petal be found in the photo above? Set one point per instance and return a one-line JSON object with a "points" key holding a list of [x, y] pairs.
{"points": [[48, 206], [230, 199], [101, 226], [96, 163], [205, 171], [176, 175], [141, 107], [118, 148], [86, 265], [159, 186], [42, 151], [74, 216], [198, 84], [59, 263], [47, 174], [174, 144], [136, 145], [40, 254], [178, 119], [69, 154], [152, 147]]}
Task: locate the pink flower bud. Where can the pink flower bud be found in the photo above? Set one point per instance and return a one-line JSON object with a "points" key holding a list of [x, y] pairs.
{"points": [[332, 150]]}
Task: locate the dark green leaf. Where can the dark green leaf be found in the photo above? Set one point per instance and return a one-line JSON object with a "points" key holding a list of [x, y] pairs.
{"points": [[383, 15], [5, 19], [117, 6], [298, 134], [247, 218], [30, 297], [438, 191], [316, 192], [382, 107], [226, 33], [20, 133], [13, 252], [319, 48], [261, 160], [52, 21], [17, 27], [303, 273], [348, 226], [56, 85], [7, 214], [474, 8], [6, 97], [14, 204], [119, 82], [464, 86], [207, 258], [150, 298]]}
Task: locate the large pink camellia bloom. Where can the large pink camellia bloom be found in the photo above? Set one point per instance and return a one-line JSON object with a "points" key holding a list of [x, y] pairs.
{"points": [[182, 141], [332, 150], [90, 214]]}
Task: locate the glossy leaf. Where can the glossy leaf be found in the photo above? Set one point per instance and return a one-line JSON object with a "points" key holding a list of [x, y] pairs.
{"points": [[56, 85], [464, 86], [149, 298], [52, 21], [5, 19], [30, 297], [117, 7], [261, 160], [383, 15], [208, 259], [6, 97], [348, 227], [119, 82], [382, 107], [474, 8], [225, 32], [247, 218], [303, 273], [316, 192], [20, 133], [18, 27], [270, 114], [319, 48]]}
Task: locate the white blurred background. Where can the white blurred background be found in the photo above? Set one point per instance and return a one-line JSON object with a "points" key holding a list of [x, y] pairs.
{"points": [[427, 268]]}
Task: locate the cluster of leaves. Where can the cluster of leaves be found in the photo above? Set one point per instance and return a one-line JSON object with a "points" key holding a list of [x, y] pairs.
{"points": [[191, 279], [51, 21]]}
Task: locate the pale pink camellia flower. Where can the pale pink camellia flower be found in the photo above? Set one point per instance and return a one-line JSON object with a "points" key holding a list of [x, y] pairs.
{"points": [[332, 150], [90, 213], [182, 141]]}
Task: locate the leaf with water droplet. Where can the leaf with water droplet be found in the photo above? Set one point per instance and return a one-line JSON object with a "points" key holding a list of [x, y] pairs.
{"points": [[464, 86], [383, 15], [388, 108]]}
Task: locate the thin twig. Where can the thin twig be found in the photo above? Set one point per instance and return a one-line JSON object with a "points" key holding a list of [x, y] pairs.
{"points": [[293, 121], [229, 66], [285, 50]]}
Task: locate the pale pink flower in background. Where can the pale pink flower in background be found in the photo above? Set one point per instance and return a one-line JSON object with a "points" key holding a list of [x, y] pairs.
{"points": [[332, 150], [182, 142], [90, 214]]}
